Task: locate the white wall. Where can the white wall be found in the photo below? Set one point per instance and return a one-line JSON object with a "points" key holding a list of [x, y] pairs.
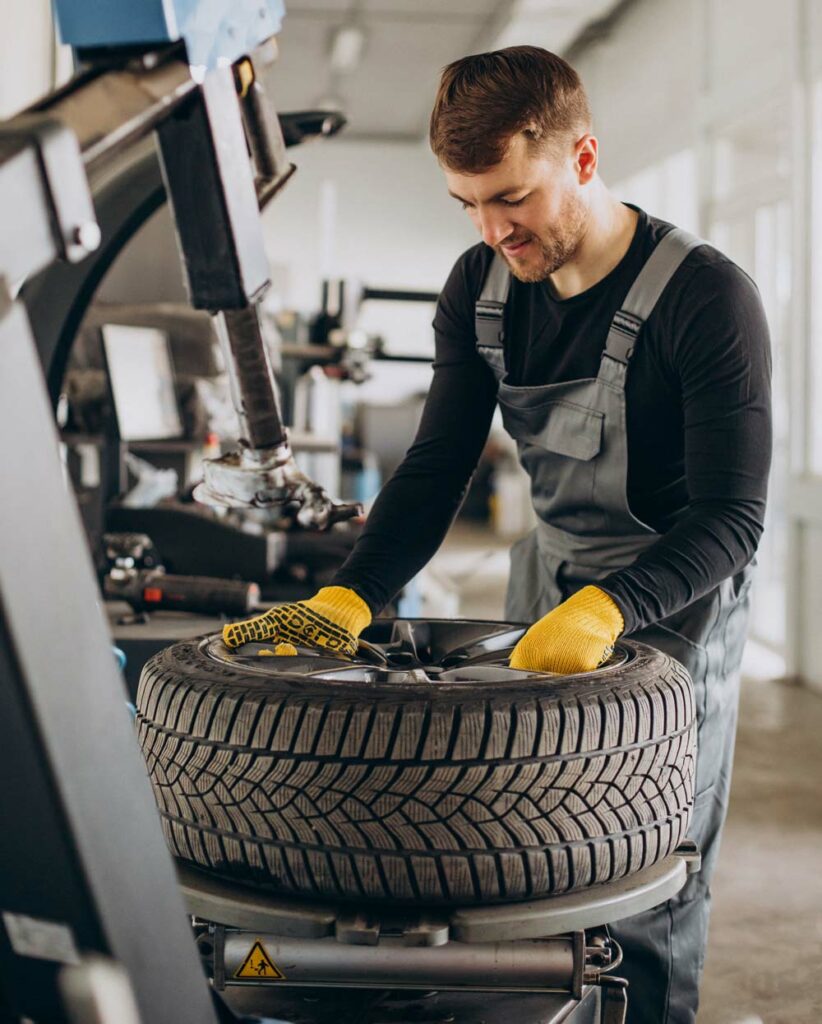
{"points": [[642, 82], [378, 212], [673, 68], [25, 53], [30, 62]]}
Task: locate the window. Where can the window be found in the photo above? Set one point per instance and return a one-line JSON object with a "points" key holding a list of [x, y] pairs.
{"points": [[758, 238], [667, 189], [815, 421]]}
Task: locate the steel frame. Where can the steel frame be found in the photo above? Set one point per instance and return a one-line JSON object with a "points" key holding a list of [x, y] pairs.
{"points": [[85, 869]]}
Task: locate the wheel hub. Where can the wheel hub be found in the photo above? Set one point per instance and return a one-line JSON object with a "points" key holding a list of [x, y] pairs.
{"points": [[421, 651]]}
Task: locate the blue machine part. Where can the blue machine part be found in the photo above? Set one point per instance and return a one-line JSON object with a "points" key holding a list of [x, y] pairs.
{"points": [[215, 31]]}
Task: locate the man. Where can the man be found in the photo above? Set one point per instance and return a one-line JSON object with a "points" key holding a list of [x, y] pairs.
{"points": [[631, 364]]}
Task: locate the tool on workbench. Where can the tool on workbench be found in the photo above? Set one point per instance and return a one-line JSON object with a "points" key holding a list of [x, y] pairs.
{"points": [[135, 574], [154, 590]]}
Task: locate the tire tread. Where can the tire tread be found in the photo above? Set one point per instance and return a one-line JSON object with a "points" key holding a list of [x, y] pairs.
{"points": [[483, 798]]}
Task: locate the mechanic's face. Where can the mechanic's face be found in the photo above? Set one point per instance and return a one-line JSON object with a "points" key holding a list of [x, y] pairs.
{"points": [[531, 207]]}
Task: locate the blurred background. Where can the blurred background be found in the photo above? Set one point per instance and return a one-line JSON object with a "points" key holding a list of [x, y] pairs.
{"points": [[709, 114]]}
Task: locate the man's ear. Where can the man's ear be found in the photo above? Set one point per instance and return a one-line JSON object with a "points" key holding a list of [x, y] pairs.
{"points": [[587, 158]]}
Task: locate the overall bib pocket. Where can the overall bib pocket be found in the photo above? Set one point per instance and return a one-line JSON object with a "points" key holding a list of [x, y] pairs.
{"points": [[557, 426], [563, 483]]}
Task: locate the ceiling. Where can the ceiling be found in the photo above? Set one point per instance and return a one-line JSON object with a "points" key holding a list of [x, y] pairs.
{"points": [[388, 94]]}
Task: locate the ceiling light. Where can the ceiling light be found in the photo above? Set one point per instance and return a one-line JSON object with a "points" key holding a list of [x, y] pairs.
{"points": [[347, 45]]}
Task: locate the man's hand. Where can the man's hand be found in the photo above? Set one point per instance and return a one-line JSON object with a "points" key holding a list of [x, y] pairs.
{"points": [[332, 619], [576, 636]]}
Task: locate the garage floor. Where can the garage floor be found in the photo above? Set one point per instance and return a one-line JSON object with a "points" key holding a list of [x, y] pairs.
{"points": [[765, 948]]}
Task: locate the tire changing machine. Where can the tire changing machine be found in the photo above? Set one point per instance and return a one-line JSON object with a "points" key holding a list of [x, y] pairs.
{"points": [[537, 962], [93, 927]]}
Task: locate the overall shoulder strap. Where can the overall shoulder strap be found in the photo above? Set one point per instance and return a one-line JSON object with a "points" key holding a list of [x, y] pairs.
{"points": [[650, 283], [489, 311]]}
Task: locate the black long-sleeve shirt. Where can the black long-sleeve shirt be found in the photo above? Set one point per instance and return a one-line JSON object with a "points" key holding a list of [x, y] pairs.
{"points": [[698, 423]]}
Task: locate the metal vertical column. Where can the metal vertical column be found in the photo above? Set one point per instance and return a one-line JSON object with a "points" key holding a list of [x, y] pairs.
{"points": [[81, 847]]}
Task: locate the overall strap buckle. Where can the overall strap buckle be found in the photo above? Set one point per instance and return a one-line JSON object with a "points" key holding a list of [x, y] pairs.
{"points": [[489, 321], [622, 336], [489, 311], [644, 293]]}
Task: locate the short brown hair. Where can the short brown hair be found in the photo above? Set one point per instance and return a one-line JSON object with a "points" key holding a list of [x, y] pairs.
{"points": [[485, 99]]}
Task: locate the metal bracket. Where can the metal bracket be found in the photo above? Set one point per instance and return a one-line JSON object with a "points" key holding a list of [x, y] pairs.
{"points": [[357, 929], [74, 224], [426, 931], [614, 1000], [218, 957], [263, 131], [270, 478], [578, 979], [689, 851]]}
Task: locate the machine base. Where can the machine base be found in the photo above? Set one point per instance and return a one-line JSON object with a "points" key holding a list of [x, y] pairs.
{"points": [[532, 962]]}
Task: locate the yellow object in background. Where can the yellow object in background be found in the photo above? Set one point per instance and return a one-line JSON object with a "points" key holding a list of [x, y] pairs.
{"points": [[576, 636]]}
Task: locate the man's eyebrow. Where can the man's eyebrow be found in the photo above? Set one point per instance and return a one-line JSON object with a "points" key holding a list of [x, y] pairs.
{"points": [[499, 195]]}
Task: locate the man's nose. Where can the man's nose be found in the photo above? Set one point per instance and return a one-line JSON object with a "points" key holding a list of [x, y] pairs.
{"points": [[494, 227]]}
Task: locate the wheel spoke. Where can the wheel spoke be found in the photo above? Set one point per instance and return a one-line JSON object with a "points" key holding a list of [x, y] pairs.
{"points": [[497, 646]]}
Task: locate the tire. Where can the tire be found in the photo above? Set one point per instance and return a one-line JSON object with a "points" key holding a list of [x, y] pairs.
{"points": [[359, 782]]}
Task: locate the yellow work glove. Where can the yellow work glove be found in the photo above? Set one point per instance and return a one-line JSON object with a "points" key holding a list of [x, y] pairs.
{"points": [[333, 619], [576, 636]]}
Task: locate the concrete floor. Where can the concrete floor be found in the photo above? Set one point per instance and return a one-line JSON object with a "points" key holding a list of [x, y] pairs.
{"points": [[764, 960], [764, 963]]}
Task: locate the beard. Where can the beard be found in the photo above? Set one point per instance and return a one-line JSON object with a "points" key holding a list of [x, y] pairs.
{"points": [[554, 248]]}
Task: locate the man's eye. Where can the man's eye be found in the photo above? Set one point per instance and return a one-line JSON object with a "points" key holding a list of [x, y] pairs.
{"points": [[466, 206], [513, 202]]}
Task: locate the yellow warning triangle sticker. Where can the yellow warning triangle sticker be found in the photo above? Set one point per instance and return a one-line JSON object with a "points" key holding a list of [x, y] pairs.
{"points": [[258, 965]]}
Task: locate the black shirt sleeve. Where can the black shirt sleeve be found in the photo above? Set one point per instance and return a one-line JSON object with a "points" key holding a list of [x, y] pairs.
{"points": [[720, 361], [417, 505]]}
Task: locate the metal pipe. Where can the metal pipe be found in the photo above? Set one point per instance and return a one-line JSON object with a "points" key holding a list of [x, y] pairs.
{"points": [[265, 137], [534, 966], [253, 389]]}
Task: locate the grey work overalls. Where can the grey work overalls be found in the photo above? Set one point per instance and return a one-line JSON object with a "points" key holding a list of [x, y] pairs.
{"points": [[572, 441]]}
